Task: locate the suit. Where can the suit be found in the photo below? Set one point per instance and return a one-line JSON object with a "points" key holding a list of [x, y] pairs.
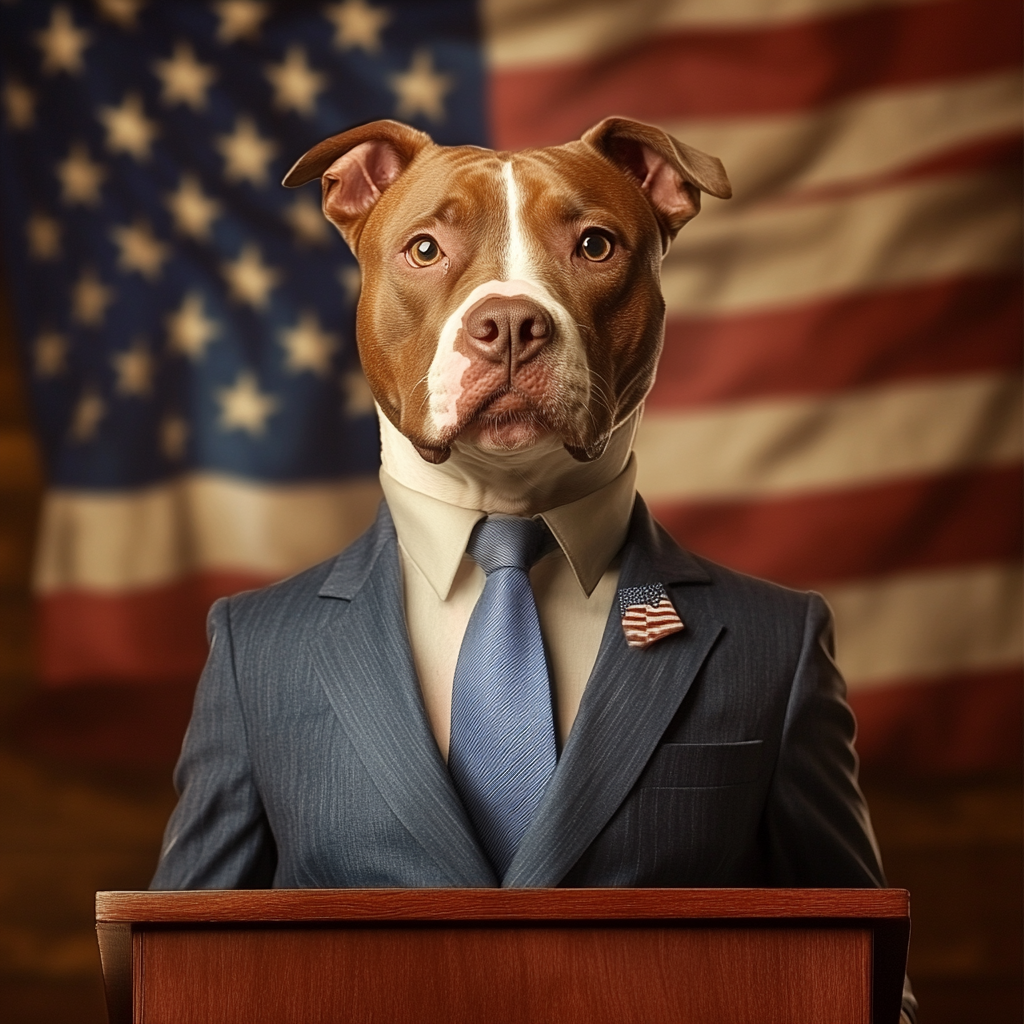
{"points": [[719, 756]]}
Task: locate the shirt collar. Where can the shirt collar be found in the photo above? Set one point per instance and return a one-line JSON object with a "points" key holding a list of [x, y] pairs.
{"points": [[589, 531]]}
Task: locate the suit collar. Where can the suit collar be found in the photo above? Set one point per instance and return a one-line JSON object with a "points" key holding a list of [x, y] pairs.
{"points": [[590, 531], [353, 565], [629, 701], [433, 533], [652, 556]]}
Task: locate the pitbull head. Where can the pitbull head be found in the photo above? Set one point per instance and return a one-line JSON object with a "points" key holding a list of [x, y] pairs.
{"points": [[509, 297]]}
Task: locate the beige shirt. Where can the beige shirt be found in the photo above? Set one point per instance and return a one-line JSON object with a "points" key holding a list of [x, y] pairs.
{"points": [[574, 586]]}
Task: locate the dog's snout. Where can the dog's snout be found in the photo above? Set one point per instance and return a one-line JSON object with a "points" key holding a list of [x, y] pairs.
{"points": [[501, 328]]}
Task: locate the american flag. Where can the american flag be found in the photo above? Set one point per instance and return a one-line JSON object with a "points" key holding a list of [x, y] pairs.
{"points": [[648, 615], [838, 404]]}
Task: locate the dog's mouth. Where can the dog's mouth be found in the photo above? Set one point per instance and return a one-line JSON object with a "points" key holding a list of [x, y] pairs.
{"points": [[509, 420], [506, 405]]}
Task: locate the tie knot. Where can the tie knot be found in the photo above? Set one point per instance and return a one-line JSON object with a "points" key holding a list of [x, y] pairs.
{"points": [[507, 543]]}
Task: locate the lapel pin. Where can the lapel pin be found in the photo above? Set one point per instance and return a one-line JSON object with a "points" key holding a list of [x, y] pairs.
{"points": [[647, 615]]}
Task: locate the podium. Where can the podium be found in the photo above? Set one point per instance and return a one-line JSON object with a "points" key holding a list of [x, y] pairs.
{"points": [[504, 956]]}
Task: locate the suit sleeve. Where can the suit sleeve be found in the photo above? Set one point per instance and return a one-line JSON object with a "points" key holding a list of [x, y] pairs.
{"points": [[218, 836], [817, 825]]}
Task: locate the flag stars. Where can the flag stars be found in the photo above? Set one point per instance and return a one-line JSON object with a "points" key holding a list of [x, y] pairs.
{"points": [[128, 129], [240, 19], [184, 79], [245, 407], [249, 279], [123, 13], [357, 394], [173, 437], [421, 89], [89, 299], [193, 211], [62, 43], [357, 23], [141, 251], [306, 219], [351, 280], [189, 330], [43, 233], [308, 346], [246, 153], [80, 177], [134, 370], [296, 85], [19, 104], [50, 354], [88, 412]]}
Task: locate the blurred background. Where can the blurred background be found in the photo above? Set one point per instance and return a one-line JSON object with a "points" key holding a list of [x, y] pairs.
{"points": [[182, 413]]}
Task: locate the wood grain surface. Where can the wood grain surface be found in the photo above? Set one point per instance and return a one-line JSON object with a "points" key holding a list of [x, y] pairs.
{"points": [[497, 904], [474, 972]]}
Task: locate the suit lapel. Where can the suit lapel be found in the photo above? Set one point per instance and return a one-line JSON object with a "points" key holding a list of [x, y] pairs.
{"points": [[628, 703], [364, 663]]}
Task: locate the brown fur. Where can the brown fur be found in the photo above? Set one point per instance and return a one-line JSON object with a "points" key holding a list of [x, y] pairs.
{"points": [[384, 184]]}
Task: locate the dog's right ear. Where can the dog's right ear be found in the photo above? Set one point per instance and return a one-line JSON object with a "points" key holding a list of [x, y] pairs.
{"points": [[671, 174], [355, 168]]}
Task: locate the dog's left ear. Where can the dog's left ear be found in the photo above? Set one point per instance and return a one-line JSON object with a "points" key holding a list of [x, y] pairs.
{"points": [[355, 168], [671, 174]]}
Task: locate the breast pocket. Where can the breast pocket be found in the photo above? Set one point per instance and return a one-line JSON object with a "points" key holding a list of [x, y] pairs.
{"points": [[694, 812], [690, 820], [702, 765]]}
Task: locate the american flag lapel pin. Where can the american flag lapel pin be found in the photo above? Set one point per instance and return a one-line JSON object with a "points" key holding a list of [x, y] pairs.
{"points": [[647, 615]]}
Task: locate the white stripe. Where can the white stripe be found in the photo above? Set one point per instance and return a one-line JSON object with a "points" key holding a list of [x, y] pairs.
{"points": [[776, 255], [869, 136], [826, 443], [525, 33], [121, 541], [780, 254], [517, 262], [928, 624]]}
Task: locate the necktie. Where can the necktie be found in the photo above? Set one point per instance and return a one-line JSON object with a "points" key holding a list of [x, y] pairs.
{"points": [[502, 750]]}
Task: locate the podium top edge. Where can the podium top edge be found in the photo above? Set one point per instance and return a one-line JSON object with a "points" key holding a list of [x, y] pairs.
{"points": [[389, 905]]}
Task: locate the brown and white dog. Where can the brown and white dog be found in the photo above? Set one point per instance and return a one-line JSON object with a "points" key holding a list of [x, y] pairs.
{"points": [[511, 310]]}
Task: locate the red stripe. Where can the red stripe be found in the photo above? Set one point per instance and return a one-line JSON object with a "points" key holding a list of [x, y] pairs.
{"points": [[145, 636], [951, 327], [963, 724], [761, 70], [822, 538], [992, 154]]}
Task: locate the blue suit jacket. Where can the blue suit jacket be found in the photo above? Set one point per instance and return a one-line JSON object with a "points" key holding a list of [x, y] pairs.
{"points": [[719, 756]]}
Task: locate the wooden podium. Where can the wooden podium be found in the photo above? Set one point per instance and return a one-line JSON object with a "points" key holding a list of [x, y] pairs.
{"points": [[320, 956]]}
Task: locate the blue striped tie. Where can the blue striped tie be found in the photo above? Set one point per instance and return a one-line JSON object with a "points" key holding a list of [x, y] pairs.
{"points": [[502, 751]]}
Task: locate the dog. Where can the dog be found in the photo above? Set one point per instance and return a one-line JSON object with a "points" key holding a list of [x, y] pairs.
{"points": [[511, 303], [509, 326]]}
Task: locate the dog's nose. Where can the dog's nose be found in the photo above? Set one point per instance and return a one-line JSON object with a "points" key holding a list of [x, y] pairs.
{"points": [[499, 327]]}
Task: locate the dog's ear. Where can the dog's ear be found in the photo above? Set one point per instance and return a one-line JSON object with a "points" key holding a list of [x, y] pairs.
{"points": [[355, 168], [671, 174]]}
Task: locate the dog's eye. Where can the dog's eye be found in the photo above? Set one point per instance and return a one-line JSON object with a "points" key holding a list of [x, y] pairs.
{"points": [[596, 246], [423, 252]]}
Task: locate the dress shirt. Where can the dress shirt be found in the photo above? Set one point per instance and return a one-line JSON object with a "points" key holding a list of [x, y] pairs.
{"points": [[574, 585]]}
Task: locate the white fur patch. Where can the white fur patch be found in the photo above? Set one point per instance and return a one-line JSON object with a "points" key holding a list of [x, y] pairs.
{"points": [[517, 263], [444, 378]]}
